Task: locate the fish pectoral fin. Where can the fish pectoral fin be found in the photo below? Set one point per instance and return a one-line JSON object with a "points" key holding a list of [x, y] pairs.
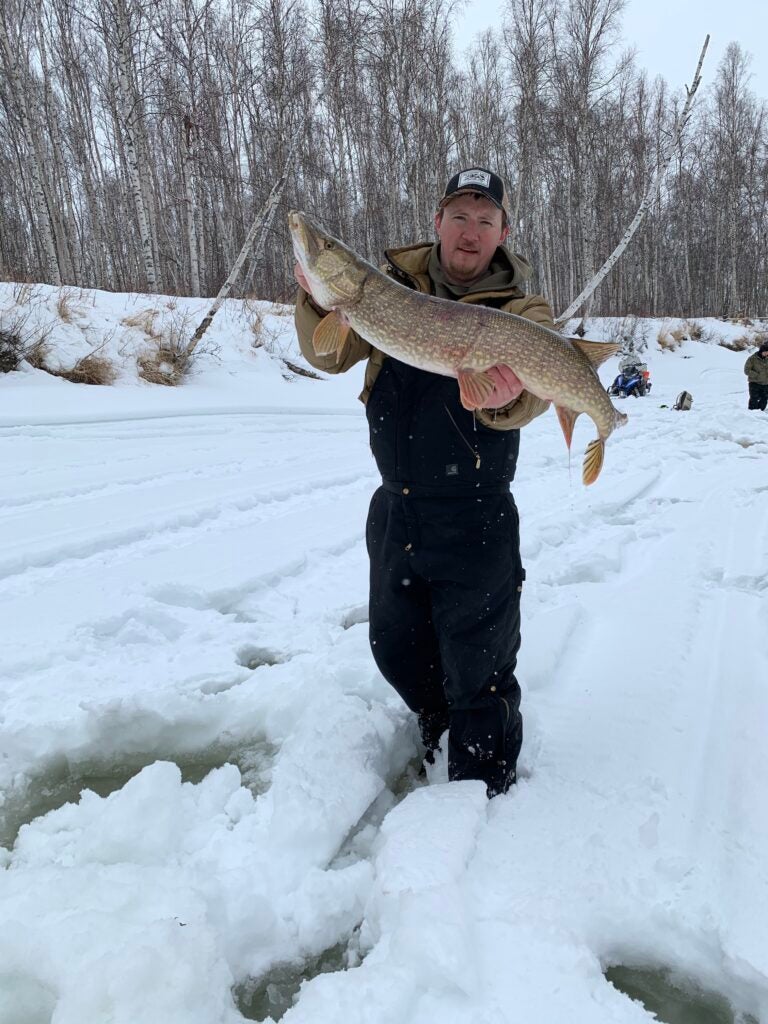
{"points": [[593, 461], [475, 387], [595, 351], [567, 419], [330, 335]]}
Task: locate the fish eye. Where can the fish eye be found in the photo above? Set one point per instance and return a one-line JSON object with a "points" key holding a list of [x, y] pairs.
{"points": [[328, 244]]}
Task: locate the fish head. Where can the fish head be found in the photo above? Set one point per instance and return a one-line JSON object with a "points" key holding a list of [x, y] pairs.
{"points": [[335, 273]]}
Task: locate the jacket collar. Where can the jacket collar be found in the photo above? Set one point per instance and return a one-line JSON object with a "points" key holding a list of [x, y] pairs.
{"points": [[410, 265]]}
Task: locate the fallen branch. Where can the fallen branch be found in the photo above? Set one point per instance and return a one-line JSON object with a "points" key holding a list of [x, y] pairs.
{"points": [[261, 226]]}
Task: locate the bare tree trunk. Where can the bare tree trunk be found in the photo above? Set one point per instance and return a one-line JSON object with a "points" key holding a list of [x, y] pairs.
{"points": [[40, 197], [128, 111], [191, 207]]}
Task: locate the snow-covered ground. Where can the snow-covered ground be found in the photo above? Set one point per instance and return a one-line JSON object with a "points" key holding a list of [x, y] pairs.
{"points": [[183, 587]]}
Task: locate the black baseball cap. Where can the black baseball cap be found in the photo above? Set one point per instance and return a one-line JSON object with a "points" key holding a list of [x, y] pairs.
{"points": [[480, 180]]}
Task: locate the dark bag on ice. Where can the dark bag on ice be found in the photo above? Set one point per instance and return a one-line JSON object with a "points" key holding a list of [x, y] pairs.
{"points": [[683, 402]]}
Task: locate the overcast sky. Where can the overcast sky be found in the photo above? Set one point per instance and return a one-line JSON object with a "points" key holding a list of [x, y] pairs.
{"points": [[668, 35]]}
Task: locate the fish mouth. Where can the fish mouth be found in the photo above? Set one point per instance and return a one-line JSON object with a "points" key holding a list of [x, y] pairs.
{"points": [[307, 242]]}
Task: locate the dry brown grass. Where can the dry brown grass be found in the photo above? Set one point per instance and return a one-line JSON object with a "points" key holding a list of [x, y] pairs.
{"points": [[22, 293], [280, 309], [91, 369], [671, 338], [740, 344], [66, 305], [264, 336], [695, 330], [668, 340], [37, 353], [165, 363], [145, 321]]}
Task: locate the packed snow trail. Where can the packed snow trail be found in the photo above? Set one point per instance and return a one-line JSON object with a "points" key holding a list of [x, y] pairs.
{"points": [[151, 562]]}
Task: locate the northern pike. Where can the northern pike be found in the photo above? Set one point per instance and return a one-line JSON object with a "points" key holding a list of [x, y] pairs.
{"points": [[455, 339]]}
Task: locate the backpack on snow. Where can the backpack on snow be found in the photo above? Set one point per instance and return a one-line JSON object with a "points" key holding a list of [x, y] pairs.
{"points": [[683, 402]]}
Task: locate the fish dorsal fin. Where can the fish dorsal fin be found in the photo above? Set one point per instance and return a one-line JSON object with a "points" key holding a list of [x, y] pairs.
{"points": [[330, 335], [595, 351], [475, 388], [567, 419], [593, 461]]}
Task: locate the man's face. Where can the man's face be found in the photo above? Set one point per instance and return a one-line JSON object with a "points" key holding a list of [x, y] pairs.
{"points": [[470, 228]]}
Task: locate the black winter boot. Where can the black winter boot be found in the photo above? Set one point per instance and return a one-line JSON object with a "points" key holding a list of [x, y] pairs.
{"points": [[432, 725]]}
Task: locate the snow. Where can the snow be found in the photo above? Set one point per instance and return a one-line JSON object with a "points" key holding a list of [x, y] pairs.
{"points": [[183, 592]]}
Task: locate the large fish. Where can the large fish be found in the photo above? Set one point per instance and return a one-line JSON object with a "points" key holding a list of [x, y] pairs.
{"points": [[455, 339]]}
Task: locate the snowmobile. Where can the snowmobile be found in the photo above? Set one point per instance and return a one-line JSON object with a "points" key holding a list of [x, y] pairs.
{"points": [[633, 379]]}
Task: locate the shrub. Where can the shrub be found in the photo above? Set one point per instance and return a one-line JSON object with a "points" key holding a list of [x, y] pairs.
{"points": [[20, 341], [11, 351], [37, 353]]}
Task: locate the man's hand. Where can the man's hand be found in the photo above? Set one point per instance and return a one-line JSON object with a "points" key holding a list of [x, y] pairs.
{"points": [[507, 387]]}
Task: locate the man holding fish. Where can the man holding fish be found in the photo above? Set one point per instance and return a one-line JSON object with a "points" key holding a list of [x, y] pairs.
{"points": [[443, 529]]}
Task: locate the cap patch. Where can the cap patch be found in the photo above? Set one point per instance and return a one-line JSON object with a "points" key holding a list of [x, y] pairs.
{"points": [[474, 177]]}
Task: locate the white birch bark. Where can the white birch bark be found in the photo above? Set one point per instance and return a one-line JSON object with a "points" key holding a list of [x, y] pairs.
{"points": [[40, 200], [191, 206], [127, 103]]}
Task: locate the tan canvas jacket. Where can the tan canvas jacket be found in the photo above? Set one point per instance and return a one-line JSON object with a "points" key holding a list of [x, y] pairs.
{"points": [[409, 265], [756, 369]]}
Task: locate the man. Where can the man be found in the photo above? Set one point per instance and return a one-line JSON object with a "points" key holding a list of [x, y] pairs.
{"points": [[442, 531], [756, 369]]}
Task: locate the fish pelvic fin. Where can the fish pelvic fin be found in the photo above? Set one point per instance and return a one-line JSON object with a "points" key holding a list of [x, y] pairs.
{"points": [[567, 419], [596, 352], [593, 461], [330, 335], [475, 388]]}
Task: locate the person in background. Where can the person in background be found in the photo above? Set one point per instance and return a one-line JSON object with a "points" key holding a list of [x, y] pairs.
{"points": [[443, 539], [756, 369]]}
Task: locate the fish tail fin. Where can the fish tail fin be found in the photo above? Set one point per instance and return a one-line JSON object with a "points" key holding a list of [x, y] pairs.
{"points": [[567, 419], [593, 461], [330, 335]]}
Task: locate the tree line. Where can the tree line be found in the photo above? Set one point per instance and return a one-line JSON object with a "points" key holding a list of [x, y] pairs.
{"points": [[138, 139]]}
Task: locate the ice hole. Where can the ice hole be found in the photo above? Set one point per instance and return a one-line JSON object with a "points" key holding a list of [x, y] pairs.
{"points": [[357, 844], [63, 781], [270, 997], [674, 999]]}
